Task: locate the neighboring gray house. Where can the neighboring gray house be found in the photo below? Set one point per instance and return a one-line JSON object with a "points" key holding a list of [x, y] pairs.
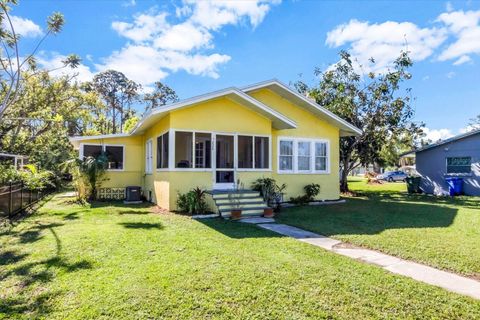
{"points": [[455, 157]]}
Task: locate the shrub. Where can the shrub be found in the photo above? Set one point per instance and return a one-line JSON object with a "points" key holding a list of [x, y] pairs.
{"points": [[311, 191], [35, 179], [271, 192], [192, 202], [8, 173]]}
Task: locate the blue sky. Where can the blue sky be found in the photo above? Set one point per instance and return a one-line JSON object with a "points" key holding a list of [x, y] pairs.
{"points": [[196, 47]]}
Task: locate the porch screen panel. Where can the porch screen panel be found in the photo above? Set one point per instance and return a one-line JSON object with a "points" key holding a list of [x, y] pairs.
{"points": [[262, 157], [245, 152], [183, 149], [203, 150], [162, 151]]}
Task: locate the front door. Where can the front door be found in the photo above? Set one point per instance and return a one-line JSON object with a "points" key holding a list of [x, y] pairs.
{"points": [[224, 169]]}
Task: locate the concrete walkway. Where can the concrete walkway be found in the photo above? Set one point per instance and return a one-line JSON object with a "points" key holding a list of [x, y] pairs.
{"points": [[420, 272]]}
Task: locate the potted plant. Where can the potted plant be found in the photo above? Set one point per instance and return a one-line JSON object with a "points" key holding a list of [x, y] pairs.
{"points": [[234, 198], [268, 212]]}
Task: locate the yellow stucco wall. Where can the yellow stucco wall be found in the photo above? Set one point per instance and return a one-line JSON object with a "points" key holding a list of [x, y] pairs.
{"points": [[308, 126], [224, 115], [132, 173]]}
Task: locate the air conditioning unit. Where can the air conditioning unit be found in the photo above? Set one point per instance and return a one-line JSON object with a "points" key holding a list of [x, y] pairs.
{"points": [[134, 193]]}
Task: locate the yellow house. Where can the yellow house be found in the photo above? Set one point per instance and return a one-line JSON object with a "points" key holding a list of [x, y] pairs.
{"points": [[216, 139]]}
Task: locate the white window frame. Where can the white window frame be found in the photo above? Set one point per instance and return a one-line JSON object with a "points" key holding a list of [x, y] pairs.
{"points": [[212, 133], [169, 151], [312, 142], [458, 173], [149, 156], [104, 147]]}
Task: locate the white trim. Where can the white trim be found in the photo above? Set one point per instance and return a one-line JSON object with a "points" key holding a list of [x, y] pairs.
{"points": [[295, 141], [318, 107], [147, 159], [102, 136], [161, 155], [104, 147]]}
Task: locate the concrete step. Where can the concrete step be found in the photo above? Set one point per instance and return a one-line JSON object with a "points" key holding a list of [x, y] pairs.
{"points": [[246, 211], [242, 200], [243, 206], [241, 194]]}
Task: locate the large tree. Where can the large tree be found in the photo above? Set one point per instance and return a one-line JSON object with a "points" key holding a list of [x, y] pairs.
{"points": [[377, 103], [47, 111], [161, 95], [118, 92], [12, 62]]}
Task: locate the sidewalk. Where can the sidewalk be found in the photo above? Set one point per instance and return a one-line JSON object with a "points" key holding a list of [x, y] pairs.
{"points": [[446, 280]]}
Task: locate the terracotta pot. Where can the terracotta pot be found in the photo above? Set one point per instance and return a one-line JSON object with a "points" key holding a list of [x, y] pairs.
{"points": [[268, 213], [236, 214]]}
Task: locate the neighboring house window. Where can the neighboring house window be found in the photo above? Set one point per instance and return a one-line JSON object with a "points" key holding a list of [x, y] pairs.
{"points": [[183, 149], [286, 156], [262, 156], [162, 151], [459, 164], [303, 155], [321, 157], [149, 156], [115, 157], [115, 154]]}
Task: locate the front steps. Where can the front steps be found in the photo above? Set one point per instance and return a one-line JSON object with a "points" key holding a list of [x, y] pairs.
{"points": [[252, 203]]}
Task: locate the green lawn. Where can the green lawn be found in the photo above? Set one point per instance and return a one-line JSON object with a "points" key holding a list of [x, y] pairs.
{"points": [[441, 232], [123, 262]]}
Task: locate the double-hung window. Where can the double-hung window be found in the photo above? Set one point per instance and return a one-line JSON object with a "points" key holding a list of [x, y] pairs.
{"points": [[299, 155], [286, 155], [149, 156]]}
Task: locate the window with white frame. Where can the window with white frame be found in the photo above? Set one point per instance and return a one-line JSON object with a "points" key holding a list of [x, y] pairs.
{"points": [[253, 152], [303, 155], [115, 154], [149, 156], [321, 157], [286, 155], [162, 151], [459, 165]]}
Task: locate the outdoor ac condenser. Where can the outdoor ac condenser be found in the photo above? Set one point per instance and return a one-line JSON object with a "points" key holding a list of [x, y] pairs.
{"points": [[133, 193]]}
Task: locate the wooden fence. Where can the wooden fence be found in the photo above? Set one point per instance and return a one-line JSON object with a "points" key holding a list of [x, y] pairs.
{"points": [[14, 197]]}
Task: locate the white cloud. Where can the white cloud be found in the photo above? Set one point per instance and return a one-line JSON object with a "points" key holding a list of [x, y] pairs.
{"points": [[385, 41], [158, 47], [465, 27], [426, 78], [54, 62], [184, 37], [129, 3], [470, 128], [24, 27], [144, 28], [451, 74], [437, 134], [463, 59], [214, 14]]}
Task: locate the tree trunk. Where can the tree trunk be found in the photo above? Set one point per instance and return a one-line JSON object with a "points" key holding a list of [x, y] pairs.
{"points": [[344, 176]]}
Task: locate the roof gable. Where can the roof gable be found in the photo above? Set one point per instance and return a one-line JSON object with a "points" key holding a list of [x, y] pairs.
{"points": [[346, 129], [279, 121]]}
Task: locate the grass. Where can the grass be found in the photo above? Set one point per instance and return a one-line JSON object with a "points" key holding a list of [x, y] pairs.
{"points": [[113, 261], [438, 231]]}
